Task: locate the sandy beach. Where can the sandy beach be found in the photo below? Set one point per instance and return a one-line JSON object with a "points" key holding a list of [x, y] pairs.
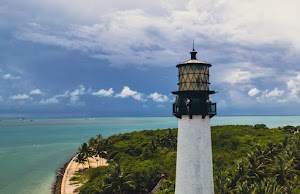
{"points": [[66, 186]]}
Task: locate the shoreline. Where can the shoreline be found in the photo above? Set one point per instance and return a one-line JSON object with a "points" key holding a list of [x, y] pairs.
{"points": [[56, 186], [63, 185]]}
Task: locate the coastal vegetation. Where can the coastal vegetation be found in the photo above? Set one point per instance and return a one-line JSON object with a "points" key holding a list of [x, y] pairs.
{"points": [[247, 159]]}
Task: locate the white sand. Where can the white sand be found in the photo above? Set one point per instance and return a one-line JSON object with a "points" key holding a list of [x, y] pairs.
{"points": [[66, 186]]}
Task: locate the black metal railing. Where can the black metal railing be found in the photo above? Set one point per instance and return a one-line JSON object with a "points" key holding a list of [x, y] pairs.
{"points": [[212, 108], [203, 109]]}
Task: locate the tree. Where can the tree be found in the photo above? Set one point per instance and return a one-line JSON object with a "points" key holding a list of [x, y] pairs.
{"points": [[80, 159], [100, 150], [256, 167], [268, 187], [86, 151], [118, 182], [284, 172]]}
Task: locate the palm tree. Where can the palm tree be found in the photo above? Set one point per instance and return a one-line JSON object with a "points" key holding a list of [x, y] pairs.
{"points": [[86, 151], [100, 150], [102, 156], [152, 146], [256, 167], [272, 150], [92, 142], [268, 187], [222, 183], [285, 172], [80, 159], [244, 188], [119, 182], [241, 172], [99, 137]]}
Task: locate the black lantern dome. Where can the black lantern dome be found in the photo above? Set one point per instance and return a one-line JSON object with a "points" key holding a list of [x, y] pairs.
{"points": [[193, 89]]}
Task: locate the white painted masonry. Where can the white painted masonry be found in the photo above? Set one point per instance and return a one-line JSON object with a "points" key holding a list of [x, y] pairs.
{"points": [[194, 167]]}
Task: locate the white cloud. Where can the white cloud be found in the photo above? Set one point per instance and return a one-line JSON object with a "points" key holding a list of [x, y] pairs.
{"points": [[74, 96], [275, 93], [127, 92], [78, 91], [241, 73], [158, 97], [293, 87], [103, 92], [10, 77], [141, 33], [64, 95], [238, 76], [293, 84], [135, 30], [52, 100], [253, 92], [270, 96], [36, 92], [1, 99], [20, 97]]}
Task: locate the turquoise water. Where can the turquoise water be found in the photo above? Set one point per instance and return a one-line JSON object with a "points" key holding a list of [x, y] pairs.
{"points": [[31, 151]]}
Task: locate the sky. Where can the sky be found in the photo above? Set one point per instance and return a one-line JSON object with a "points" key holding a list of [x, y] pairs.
{"points": [[94, 58]]}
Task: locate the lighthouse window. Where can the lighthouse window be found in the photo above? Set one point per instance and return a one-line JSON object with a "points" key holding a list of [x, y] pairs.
{"points": [[198, 82], [193, 77]]}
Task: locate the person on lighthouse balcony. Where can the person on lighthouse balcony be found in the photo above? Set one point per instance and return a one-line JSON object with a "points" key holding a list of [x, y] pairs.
{"points": [[208, 102], [188, 104]]}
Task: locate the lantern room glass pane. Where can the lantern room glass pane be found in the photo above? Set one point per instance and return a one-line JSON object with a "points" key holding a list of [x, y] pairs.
{"points": [[193, 77]]}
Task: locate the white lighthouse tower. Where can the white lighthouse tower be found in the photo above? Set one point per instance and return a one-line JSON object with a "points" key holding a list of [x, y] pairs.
{"points": [[194, 166]]}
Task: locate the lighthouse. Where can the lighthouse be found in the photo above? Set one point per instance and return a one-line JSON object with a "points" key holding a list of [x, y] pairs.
{"points": [[193, 108]]}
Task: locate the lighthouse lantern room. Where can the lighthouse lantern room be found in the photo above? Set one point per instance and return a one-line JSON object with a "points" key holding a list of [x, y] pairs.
{"points": [[193, 94]]}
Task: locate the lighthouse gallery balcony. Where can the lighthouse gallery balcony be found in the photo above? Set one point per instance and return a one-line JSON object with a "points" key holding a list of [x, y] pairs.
{"points": [[195, 108]]}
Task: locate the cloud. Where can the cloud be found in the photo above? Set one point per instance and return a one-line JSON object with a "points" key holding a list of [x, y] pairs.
{"points": [[78, 91], [136, 32], [158, 97], [293, 84], [103, 92], [64, 95], [20, 97], [253, 92], [74, 96], [275, 93], [141, 34], [1, 99], [10, 77], [293, 87], [36, 92], [269, 96], [241, 73], [52, 100], [127, 92]]}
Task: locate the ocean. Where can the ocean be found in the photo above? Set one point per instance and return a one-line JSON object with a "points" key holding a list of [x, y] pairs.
{"points": [[33, 150]]}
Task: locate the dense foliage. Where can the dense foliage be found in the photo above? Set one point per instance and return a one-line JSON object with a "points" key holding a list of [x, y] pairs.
{"points": [[247, 159]]}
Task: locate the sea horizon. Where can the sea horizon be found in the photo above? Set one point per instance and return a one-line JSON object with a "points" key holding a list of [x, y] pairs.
{"points": [[75, 117]]}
